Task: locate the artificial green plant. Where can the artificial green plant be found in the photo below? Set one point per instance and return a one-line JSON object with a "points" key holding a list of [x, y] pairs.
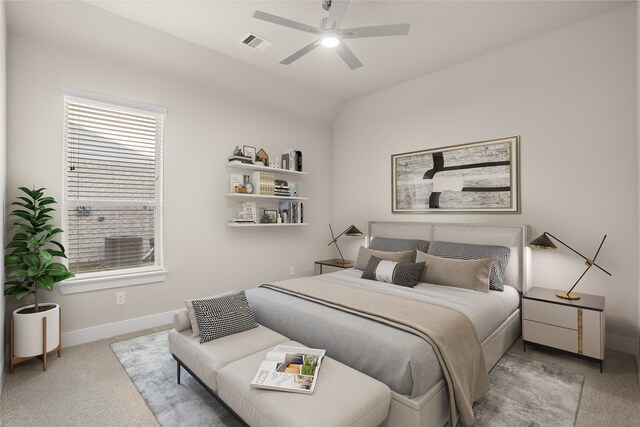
{"points": [[30, 267]]}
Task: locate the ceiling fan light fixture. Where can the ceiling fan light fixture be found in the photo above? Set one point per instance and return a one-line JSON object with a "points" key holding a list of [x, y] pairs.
{"points": [[330, 40]]}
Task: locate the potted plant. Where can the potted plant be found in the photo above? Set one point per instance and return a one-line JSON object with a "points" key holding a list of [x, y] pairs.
{"points": [[29, 268]]}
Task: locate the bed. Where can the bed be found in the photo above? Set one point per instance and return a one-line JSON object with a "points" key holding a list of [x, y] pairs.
{"points": [[400, 359]]}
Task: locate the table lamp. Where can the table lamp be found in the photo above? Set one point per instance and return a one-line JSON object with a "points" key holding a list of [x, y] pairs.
{"points": [[544, 242], [351, 231]]}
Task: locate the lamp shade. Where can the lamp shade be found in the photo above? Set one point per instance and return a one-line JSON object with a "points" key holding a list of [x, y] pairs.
{"points": [[543, 242], [353, 231]]}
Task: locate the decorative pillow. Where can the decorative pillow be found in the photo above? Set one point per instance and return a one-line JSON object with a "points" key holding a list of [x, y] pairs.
{"points": [[399, 273], [219, 317], [499, 255], [192, 315], [460, 273], [364, 254], [397, 245], [181, 320]]}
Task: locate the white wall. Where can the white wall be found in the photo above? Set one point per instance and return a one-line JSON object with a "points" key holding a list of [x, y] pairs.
{"points": [[571, 96], [3, 166], [202, 127]]}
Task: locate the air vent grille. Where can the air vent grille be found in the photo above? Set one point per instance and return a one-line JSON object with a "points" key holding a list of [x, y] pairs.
{"points": [[256, 42]]}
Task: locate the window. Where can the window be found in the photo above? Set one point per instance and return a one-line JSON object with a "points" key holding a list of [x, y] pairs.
{"points": [[113, 191]]}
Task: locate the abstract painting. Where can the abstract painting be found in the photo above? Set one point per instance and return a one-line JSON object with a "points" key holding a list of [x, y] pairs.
{"points": [[476, 177]]}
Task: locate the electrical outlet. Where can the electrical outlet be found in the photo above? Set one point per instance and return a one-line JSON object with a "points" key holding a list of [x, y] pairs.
{"points": [[120, 299], [292, 270]]}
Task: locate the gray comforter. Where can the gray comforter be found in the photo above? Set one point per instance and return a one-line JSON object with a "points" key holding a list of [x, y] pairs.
{"points": [[403, 361]]}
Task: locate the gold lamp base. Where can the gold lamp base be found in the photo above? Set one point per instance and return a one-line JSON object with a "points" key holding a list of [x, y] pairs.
{"points": [[568, 295]]}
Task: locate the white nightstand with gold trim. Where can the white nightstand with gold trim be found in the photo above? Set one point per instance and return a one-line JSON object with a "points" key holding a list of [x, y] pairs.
{"points": [[576, 326]]}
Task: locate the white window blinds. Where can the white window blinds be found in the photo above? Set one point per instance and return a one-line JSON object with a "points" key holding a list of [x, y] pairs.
{"points": [[113, 186]]}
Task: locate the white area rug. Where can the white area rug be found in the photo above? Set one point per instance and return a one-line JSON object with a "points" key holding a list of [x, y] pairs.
{"points": [[523, 392]]}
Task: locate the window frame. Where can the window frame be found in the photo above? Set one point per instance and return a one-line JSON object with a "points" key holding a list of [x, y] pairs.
{"points": [[86, 282]]}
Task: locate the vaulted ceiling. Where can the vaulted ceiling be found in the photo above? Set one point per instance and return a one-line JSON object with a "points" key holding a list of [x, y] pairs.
{"points": [[199, 41], [442, 33]]}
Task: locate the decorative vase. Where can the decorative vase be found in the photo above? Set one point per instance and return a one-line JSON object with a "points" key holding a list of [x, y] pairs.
{"points": [[28, 338]]}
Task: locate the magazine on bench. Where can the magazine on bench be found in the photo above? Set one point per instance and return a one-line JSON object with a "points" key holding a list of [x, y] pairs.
{"points": [[293, 369]]}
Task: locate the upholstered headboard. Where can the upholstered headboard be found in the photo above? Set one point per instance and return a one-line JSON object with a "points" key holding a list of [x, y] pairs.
{"points": [[514, 237]]}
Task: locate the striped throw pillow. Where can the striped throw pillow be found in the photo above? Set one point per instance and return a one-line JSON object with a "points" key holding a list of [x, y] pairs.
{"points": [[399, 273]]}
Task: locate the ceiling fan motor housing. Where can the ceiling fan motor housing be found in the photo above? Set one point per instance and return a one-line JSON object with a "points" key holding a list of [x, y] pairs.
{"points": [[326, 5], [328, 25]]}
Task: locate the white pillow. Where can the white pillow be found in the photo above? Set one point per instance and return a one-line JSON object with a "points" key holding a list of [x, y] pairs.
{"points": [[181, 320], [192, 314]]}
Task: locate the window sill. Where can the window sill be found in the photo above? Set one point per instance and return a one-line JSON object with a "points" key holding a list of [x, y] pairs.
{"points": [[88, 284]]}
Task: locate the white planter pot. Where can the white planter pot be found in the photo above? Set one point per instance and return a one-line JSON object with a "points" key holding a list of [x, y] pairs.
{"points": [[27, 330]]}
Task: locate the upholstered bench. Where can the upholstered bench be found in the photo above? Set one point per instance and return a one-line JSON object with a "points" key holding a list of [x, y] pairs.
{"points": [[342, 397], [204, 361], [225, 366]]}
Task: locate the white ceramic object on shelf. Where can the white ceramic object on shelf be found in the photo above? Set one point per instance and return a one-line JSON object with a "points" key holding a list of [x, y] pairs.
{"points": [[27, 330]]}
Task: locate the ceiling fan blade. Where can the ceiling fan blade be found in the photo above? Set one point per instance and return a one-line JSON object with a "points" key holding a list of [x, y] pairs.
{"points": [[348, 57], [308, 48], [375, 31], [286, 22], [337, 10]]}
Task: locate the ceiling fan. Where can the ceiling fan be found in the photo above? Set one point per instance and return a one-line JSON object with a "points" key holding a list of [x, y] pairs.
{"points": [[331, 35]]}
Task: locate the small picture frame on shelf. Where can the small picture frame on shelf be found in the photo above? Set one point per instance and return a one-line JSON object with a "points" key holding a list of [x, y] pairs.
{"points": [[269, 217], [249, 151]]}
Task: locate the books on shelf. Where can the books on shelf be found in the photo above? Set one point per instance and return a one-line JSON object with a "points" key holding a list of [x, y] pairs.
{"points": [[242, 159], [282, 191], [292, 369], [292, 160], [263, 183], [291, 212]]}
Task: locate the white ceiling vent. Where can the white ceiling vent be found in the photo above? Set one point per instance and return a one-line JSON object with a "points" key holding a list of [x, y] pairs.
{"points": [[256, 42]]}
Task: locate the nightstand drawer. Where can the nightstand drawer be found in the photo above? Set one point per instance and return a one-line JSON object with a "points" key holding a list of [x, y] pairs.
{"points": [[552, 314], [552, 336]]}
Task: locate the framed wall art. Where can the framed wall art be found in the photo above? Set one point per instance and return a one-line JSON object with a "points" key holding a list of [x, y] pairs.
{"points": [[477, 177]]}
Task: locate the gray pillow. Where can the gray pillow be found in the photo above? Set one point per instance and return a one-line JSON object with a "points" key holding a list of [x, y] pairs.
{"points": [[499, 255], [364, 254], [459, 273], [397, 245], [219, 317], [399, 273]]}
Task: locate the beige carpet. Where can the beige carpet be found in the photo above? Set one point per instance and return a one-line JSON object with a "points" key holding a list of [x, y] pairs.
{"points": [[88, 387]]}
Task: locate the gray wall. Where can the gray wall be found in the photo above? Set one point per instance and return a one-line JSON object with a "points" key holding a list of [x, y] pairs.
{"points": [[571, 96]]}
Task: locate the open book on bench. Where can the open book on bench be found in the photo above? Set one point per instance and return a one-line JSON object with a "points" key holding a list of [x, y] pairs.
{"points": [[293, 369]]}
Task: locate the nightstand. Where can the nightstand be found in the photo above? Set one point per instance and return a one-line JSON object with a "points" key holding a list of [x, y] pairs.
{"points": [[575, 326], [329, 266]]}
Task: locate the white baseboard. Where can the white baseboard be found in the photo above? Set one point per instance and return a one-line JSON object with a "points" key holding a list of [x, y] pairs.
{"points": [[109, 330], [624, 344]]}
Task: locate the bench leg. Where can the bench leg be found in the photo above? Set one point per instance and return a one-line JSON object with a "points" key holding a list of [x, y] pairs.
{"points": [[178, 371]]}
